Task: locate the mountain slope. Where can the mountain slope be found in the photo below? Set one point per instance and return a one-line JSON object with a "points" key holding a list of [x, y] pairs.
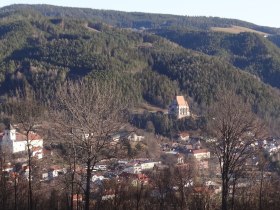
{"points": [[275, 39], [248, 51], [43, 52]]}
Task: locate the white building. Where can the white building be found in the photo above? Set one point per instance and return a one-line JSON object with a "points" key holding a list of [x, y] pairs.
{"points": [[135, 137], [97, 178], [179, 107], [136, 168], [13, 142], [199, 154], [148, 165]]}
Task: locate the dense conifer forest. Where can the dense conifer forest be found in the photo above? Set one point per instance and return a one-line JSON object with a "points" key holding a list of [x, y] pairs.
{"points": [[42, 46]]}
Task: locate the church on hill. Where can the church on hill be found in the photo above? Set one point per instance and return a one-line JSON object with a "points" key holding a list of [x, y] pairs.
{"points": [[179, 107]]}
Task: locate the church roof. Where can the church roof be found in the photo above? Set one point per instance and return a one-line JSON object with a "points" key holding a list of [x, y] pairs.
{"points": [[22, 137], [181, 101], [31, 136]]}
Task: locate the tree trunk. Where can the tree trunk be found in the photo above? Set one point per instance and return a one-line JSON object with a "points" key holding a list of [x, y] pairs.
{"points": [[261, 189], [4, 191], [30, 197], [182, 197], [233, 194], [3, 184], [87, 193], [15, 207], [224, 192], [72, 182], [138, 194]]}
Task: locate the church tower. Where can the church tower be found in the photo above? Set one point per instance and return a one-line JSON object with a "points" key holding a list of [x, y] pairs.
{"points": [[10, 133]]}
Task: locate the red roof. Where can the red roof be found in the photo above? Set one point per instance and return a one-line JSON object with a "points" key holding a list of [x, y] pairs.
{"points": [[36, 149], [22, 137], [31, 136], [181, 101]]}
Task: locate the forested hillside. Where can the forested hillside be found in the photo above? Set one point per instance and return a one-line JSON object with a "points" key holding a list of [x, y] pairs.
{"points": [[275, 39], [42, 46], [248, 51]]}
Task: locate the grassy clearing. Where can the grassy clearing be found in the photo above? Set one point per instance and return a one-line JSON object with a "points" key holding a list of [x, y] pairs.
{"points": [[148, 107], [237, 30]]}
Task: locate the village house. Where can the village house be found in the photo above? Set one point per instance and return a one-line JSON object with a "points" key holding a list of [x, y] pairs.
{"points": [[97, 177], [199, 154], [133, 169], [131, 136], [53, 172], [108, 194], [179, 108], [216, 187], [14, 142], [183, 136], [148, 165], [189, 147], [8, 167], [135, 137], [136, 167]]}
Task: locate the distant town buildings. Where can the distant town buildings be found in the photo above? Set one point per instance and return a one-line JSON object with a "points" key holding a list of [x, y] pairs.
{"points": [[179, 108]]}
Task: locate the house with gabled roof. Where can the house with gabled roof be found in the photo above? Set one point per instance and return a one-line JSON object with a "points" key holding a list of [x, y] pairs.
{"points": [[179, 107]]}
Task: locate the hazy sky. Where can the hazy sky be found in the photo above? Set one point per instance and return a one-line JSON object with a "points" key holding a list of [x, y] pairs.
{"points": [[261, 12]]}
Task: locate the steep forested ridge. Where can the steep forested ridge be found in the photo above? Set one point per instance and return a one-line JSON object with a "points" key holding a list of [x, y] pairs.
{"points": [[247, 51], [42, 46]]}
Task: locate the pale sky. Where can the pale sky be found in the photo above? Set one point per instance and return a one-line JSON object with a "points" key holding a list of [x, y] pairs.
{"points": [[261, 12]]}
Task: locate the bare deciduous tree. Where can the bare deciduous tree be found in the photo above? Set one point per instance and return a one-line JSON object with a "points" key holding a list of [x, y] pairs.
{"points": [[235, 127], [183, 179], [27, 112], [87, 113]]}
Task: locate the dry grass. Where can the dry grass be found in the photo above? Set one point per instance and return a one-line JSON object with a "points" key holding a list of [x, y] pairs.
{"points": [[236, 30], [148, 107]]}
